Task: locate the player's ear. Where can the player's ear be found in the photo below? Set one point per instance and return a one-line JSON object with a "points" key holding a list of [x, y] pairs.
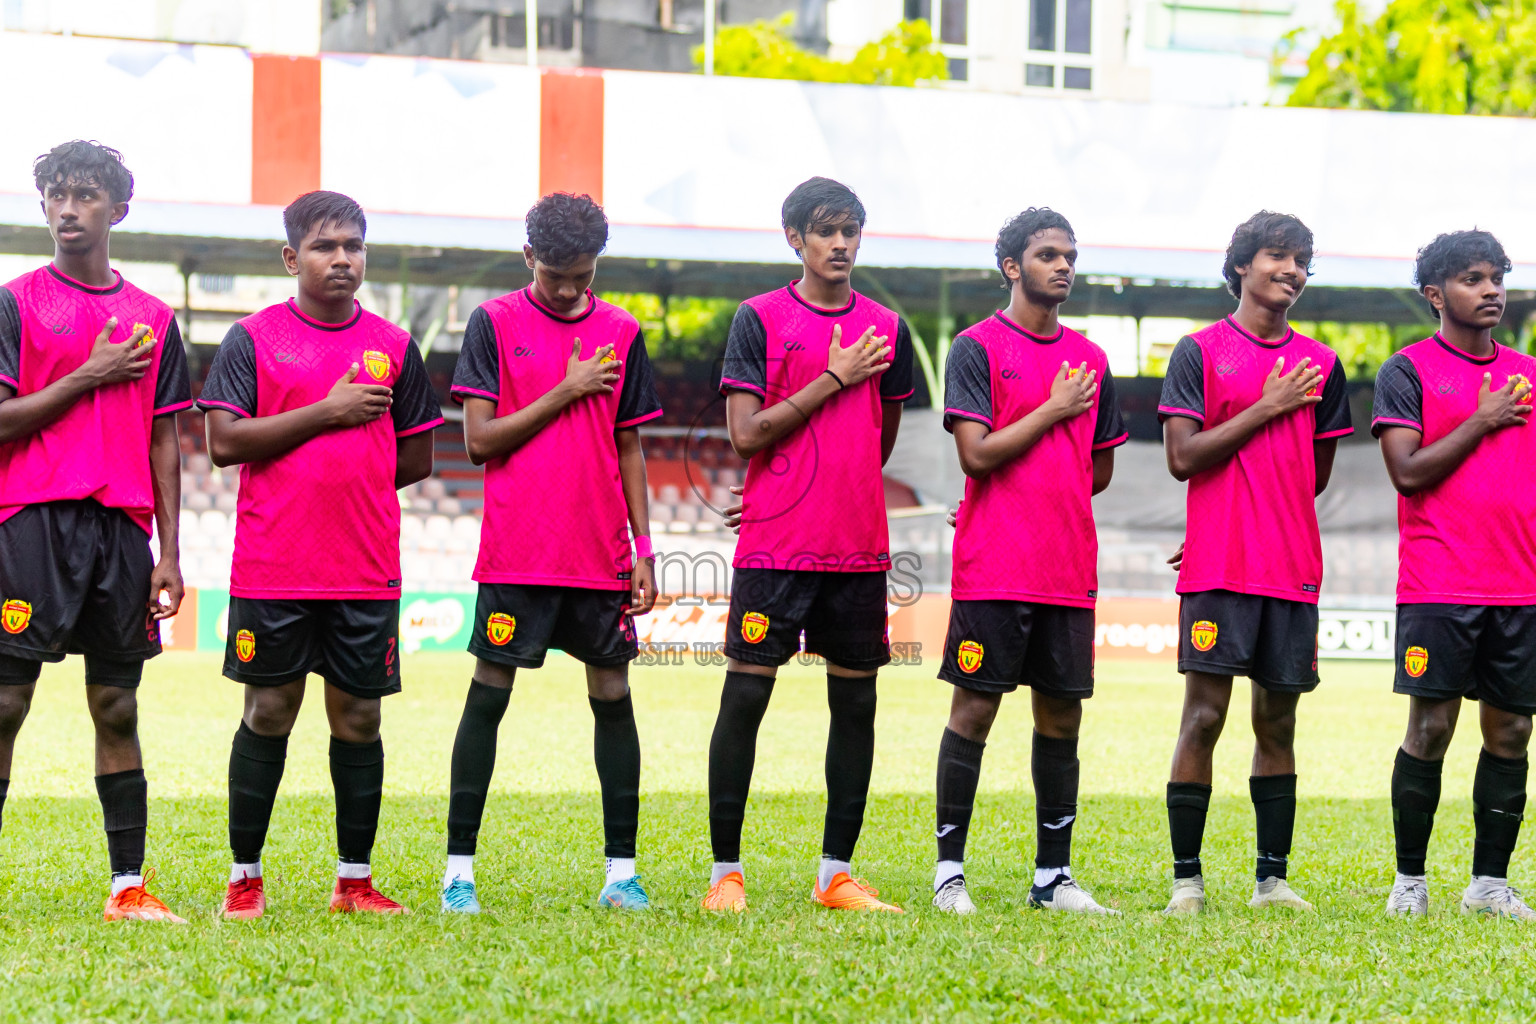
{"points": [[529, 258], [1434, 296], [291, 260], [119, 211], [1011, 269], [795, 239]]}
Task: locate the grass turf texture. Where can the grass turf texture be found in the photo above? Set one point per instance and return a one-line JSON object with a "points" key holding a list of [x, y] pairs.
{"points": [[543, 950]]}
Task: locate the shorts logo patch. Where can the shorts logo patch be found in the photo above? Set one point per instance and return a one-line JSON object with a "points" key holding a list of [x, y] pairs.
{"points": [[1203, 635], [754, 626], [1416, 661], [15, 614], [376, 363], [245, 645], [499, 627], [969, 656]]}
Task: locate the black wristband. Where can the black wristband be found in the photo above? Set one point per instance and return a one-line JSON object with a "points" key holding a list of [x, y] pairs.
{"points": [[840, 384]]}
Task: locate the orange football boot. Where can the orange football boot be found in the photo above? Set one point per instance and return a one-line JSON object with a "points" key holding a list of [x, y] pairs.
{"points": [[136, 904], [730, 893], [845, 893]]}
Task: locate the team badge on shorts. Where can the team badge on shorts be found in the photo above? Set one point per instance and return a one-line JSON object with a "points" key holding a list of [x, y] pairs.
{"points": [[245, 645], [1203, 635], [499, 627], [970, 656], [376, 363], [754, 626], [15, 614], [1416, 661]]}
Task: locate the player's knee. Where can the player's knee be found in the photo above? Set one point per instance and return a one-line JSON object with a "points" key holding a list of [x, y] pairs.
{"points": [[607, 683], [115, 710], [272, 710], [15, 702], [1507, 736], [1203, 723], [971, 714], [1429, 736], [356, 722]]}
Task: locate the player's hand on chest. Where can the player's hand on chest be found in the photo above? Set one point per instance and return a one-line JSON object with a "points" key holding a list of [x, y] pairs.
{"points": [[592, 369], [853, 361]]}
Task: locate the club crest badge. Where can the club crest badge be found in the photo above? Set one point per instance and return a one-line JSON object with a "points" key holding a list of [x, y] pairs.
{"points": [[754, 626], [499, 627], [1416, 661], [970, 655], [1203, 635], [15, 615], [1522, 388], [245, 645], [376, 363]]}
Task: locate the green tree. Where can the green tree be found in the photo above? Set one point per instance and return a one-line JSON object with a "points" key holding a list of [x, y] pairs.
{"points": [[679, 327], [906, 55], [1425, 56]]}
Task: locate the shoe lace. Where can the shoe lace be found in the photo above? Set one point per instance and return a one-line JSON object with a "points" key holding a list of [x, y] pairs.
{"points": [[1509, 895], [631, 887], [371, 898], [865, 886], [459, 894], [950, 892], [243, 895], [137, 897]]}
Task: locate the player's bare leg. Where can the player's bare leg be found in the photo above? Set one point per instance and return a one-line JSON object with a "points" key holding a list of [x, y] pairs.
{"points": [[1498, 803], [1206, 699], [1273, 788], [616, 752], [15, 702]]}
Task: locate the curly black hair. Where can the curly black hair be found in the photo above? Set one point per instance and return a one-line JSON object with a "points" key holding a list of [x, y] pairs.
{"points": [[1262, 230], [1014, 237], [817, 200], [563, 227], [314, 209], [89, 163], [1453, 252]]}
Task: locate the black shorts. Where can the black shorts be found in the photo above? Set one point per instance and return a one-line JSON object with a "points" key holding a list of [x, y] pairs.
{"points": [[353, 645], [1480, 652], [1268, 639], [74, 579], [842, 613], [997, 646], [517, 623]]}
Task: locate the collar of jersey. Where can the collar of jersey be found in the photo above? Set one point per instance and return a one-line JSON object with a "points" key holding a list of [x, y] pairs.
{"points": [[357, 314], [794, 292], [536, 304], [82, 286], [1290, 332], [1469, 357], [1038, 339]]}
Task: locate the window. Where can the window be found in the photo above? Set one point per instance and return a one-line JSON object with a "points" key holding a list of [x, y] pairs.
{"points": [[1079, 26], [915, 10], [1042, 24], [1077, 78], [1040, 75], [952, 21], [959, 69], [1060, 27]]}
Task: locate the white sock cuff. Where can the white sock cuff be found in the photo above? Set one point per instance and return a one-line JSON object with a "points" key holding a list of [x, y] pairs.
{"points": [[239, 872], [345, 870], [945, 870], [829, 868], [721, 868]]}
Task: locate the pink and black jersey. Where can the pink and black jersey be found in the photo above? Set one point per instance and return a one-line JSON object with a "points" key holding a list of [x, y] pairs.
{"points": [[1469, 538], [1026, 531], [321, 521], [99, 448], [1252, 521], [816, 499], [555, 513]]}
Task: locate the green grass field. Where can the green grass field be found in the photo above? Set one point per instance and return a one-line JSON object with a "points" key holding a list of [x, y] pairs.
{"points": [[542, 951]]}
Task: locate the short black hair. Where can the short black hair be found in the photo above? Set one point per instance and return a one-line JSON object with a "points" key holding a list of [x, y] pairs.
{"points": [[89, 163], [1454, 251], [316, 209], [563, 227], [1014, 237], [1263, 230], [820, 199]]}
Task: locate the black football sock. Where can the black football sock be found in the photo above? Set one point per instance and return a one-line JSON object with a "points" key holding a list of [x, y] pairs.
{"points": [[1415, 797], [125, 816], [357, 774], [1274, 812], [1054, 765], [732, 753], [1187, 804], [959, 770], [850, 759], [474, 762], [616, 750], [5, 787], [1498, 805], [255, 771]]}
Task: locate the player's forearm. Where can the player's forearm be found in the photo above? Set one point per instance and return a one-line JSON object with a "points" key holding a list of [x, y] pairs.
{"points": [[24, 415], [496, 437], [1200, 450], [413, 459], [890, 425], [765, 428], [233, 440], [632, 479], [165, 471], [1103, 468], [1422, 468], [999, 447]]}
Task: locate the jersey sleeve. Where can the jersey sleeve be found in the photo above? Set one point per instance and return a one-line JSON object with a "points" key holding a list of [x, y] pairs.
{"points": [[967, 384], [638, 400], [1333, 411], [746, 354], [173, 389], [1109, 428], [1399, 396], [896, 382], [1184, 386], [478, 372], [10, 340], [413, 404], [231, 383]]}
